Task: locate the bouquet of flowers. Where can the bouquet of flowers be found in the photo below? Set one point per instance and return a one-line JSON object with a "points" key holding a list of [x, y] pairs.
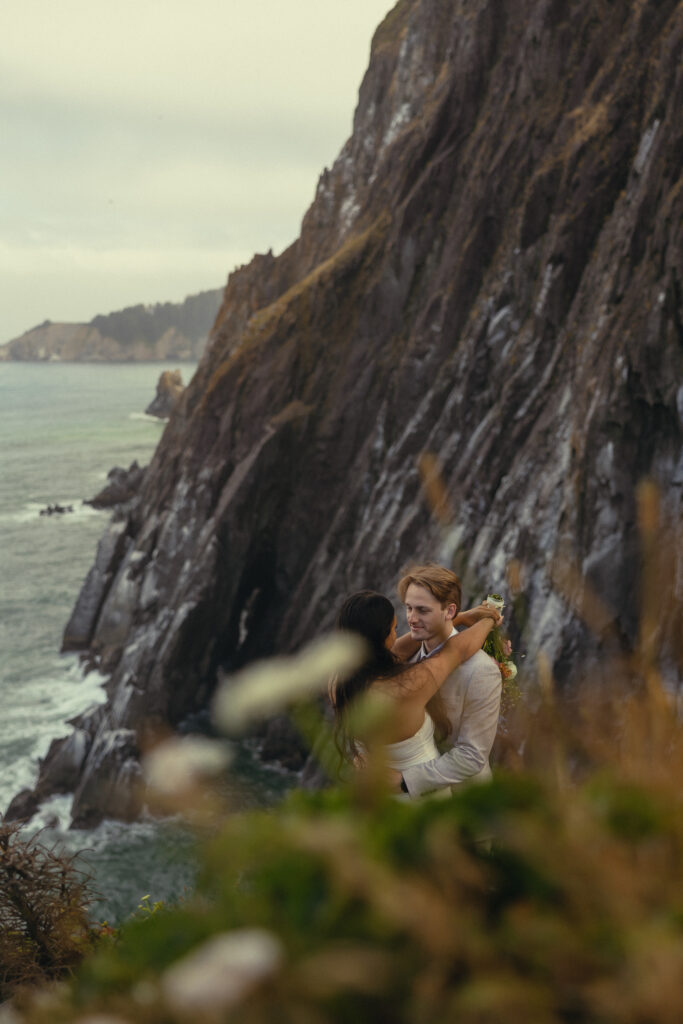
{"points": [[499, 647]]}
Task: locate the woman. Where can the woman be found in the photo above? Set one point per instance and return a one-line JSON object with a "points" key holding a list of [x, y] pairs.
{"points": [[409, 736]]}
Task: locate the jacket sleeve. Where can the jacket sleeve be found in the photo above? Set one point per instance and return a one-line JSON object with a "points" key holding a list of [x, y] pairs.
{"points": [[472, 746]]}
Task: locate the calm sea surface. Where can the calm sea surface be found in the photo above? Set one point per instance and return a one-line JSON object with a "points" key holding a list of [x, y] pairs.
{"points": [[62, 428]]}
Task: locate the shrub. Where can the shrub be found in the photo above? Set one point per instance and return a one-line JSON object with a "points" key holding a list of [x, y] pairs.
{"points": [[44, 928]]}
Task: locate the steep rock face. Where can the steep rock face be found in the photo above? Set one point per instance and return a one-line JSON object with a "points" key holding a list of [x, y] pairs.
{"points": [[491, 272]]}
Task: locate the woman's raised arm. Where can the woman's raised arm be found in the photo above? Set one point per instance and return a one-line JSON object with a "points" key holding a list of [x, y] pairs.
{"points": [[431, 673], [405, 647]]}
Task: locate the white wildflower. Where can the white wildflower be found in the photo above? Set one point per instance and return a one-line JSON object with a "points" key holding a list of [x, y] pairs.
{"points": [[178, 764], [223, 971], [267, 687]]}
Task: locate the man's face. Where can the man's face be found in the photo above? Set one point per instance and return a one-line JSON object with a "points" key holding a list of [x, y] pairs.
{"points": [[427, 620]]}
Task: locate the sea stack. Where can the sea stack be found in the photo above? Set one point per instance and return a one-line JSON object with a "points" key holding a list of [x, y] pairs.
{"points": [[169, 389]]}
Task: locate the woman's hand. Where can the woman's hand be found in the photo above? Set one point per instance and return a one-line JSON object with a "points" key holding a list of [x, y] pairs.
{"points": [[476, 614], [487, 611], [493, 614]]}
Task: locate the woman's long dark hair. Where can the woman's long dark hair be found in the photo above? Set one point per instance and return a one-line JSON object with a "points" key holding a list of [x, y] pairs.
{"points": [[371, 615]]}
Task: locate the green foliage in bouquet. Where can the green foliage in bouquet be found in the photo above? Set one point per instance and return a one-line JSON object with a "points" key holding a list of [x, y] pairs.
{"points": [[495, 645], [498, 646]]}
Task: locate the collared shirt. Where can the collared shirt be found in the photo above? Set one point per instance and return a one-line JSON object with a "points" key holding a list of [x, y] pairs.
{"points": [[471, 696], [423, 653]]}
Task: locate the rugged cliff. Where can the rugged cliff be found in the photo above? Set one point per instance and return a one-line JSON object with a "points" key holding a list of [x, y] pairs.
{"points": [[164, 330], [490, 272]]}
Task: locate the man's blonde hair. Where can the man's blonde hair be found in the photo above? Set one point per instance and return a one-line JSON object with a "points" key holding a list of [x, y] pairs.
{"points": [[441, 582]]}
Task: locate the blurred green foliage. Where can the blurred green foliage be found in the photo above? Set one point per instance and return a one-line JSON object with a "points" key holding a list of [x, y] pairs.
{"points": [[514, 901]]}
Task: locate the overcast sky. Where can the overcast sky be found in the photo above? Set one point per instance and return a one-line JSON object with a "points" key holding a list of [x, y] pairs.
{"points": [[147, 147]]}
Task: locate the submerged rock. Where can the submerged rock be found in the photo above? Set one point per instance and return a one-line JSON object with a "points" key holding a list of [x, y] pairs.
{"points": [[283, 743], [56, 510], [490, 273], [23, 806]]}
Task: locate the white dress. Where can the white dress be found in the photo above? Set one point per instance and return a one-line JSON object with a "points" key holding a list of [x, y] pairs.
{"points": [[417, 749]]}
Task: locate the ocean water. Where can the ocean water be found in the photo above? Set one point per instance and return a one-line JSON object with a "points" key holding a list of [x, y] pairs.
{"points": [[62, 428]]}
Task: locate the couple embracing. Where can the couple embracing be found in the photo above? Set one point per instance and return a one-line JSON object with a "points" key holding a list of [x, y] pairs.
{"points": [[436, 679]]}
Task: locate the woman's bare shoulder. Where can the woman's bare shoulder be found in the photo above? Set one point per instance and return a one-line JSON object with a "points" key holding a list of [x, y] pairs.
{"points": [[410, 681]]}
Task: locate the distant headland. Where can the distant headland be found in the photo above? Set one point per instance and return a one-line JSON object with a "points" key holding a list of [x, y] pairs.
{"points": [[162, 331]]}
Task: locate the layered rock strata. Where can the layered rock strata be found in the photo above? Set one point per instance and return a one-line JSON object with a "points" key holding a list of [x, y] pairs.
{"points": [[490, 272]]}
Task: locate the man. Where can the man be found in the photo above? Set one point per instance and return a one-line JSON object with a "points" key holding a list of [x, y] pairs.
{"points": [[431, 596]]}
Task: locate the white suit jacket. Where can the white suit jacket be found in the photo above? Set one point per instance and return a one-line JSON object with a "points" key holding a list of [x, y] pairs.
{"points": [[471, 695]]}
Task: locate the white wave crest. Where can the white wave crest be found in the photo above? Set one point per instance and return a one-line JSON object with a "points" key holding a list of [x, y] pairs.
{"points": [[28, 728], [146, 418]]}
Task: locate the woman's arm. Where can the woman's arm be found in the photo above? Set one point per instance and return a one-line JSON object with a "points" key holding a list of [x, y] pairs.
{"points": [[472, 615], [405, 647], [431, 673]]}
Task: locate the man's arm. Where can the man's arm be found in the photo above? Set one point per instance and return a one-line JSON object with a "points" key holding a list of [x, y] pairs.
{"points": [[472, 747]]}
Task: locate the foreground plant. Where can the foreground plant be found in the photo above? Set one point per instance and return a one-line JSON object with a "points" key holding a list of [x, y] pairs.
{"points": [[530, 899], [553, 894], [44, 926]]}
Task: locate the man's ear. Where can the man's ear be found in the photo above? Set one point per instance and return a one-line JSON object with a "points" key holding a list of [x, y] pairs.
{"points": [[451, 611]]}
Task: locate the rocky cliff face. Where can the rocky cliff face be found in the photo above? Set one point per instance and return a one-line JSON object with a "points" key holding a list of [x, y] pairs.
{"points": [[490, 272], [167, 330]]}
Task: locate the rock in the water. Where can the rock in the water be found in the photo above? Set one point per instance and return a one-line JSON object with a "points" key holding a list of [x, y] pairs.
{"points": [[122, 489], [61, 767], [23, 806], [60, 772], [56, 510], [169, 389], [283, 743], [111, 786]]}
